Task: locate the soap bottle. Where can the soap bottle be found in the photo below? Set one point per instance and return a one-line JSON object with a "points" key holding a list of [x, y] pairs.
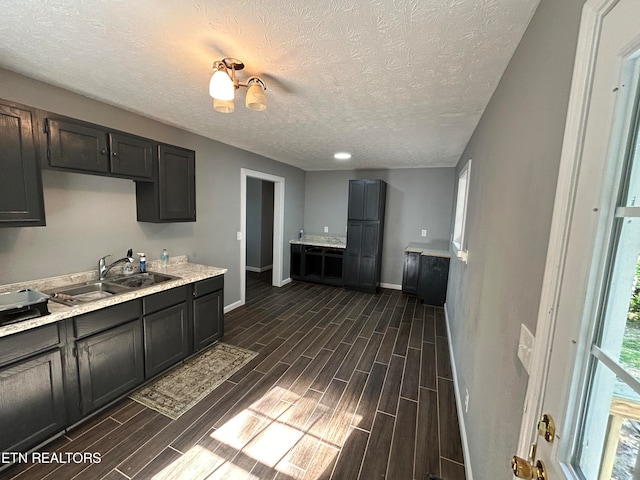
{"points": [[143, 262], [164, 258]]}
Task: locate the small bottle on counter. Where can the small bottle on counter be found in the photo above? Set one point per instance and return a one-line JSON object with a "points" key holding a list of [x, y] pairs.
{"points": [[143, 262], [301, 234], [164, 258]]}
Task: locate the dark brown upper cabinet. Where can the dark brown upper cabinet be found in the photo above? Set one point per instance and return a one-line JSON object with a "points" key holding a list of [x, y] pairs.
{"points": [[366, 199], [21, 197], [172, 198], [87, 148]]}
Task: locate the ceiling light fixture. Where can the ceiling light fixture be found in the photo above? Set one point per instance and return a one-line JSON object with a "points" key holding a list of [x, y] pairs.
{"points": [[342, 156], [224, 83]]}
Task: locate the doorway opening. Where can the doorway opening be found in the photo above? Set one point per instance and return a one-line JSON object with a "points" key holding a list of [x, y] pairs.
{"points": [[261, 227]]}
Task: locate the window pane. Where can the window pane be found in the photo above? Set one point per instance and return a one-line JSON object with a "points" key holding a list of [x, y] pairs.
{"points": [[633, 188], [609, 445], [621, 330]]}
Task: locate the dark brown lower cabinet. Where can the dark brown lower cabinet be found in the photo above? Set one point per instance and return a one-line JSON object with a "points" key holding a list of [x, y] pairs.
{"points": [[208, 317], [32, 401], [166, 338], [432, 280], [110, 364], [410, 272]]}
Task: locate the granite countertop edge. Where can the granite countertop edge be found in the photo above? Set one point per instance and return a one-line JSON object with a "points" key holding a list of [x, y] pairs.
{"points": [[186, 272], [438, 249], [320, 241]]}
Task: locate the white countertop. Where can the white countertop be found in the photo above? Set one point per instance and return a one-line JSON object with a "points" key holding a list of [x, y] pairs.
{"points": [[178, 267], [439, 248], [321, 241]]}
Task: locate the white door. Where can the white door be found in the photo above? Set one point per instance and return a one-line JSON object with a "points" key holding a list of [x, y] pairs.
{"points": [[586, 376]]}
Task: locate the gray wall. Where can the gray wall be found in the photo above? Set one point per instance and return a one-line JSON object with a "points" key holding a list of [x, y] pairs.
{"points": [[89, 216], [259, 223], [417, 198], [516, 152]]}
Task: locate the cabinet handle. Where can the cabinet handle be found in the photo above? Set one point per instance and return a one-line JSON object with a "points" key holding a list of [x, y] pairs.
{"points": [[115, 154], [103, 151]]}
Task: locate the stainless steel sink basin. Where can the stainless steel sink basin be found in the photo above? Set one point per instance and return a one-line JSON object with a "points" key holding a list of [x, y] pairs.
{"points": [[142, 279], [91, 291], [85, 292]]}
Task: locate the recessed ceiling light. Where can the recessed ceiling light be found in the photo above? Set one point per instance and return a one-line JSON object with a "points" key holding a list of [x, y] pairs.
{"points": [[342, 156]]}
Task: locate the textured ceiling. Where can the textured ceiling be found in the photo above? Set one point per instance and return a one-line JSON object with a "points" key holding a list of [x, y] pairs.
{"points": [[398, 83]]}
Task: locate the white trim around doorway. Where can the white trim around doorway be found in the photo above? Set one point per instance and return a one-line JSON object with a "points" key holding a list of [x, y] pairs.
{"points": [[278, 227]]}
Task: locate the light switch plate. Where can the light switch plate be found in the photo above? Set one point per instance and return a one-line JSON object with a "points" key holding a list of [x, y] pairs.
{"points": [[525, 347], [326, 229]]}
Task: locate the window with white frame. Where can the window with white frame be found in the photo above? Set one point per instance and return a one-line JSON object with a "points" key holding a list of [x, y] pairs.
{"points": [[461, 212]]}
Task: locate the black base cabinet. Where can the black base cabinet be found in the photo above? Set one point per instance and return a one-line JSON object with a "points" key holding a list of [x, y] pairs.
{"points": [[208, 317], [166, 332], [32, 400], [410, 273], [317, 264], [432, 280], [110, 364], [56, 375]]}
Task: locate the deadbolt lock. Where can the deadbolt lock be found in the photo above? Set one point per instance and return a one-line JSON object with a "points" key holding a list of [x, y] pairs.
{"points": [[523, 469], [547, 428]]}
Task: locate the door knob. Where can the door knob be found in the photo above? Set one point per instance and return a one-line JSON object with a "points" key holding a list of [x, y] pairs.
{"points": [[523, 469]]}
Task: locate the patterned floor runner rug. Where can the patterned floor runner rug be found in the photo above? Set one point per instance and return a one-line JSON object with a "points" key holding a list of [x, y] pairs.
{"points": [[178, 390]]}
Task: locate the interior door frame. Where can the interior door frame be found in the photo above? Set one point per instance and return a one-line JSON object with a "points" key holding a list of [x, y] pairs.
{"points": [[278, 227], [593, 14]]}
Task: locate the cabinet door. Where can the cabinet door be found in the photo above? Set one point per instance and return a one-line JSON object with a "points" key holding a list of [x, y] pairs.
{"points": [[432, 282], [77, 146], [410, 273], [372, 200], [351, 272], [166, 340], [110, 364], [208, 319], [176, 181], [369, 256], [21, 198], [131, 156], [32, 405], [356, 200]]}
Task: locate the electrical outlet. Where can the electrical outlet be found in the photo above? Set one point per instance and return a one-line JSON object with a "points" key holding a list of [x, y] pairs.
{"points": [[326, 229], [423, 233], [238, 235], [466, 400]]}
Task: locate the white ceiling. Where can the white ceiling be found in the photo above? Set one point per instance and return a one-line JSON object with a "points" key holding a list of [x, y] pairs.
{"points": [[398, 83]]}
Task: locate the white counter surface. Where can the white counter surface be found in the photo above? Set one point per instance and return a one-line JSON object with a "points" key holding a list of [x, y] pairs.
{"points": [[434, 249], [178, 267]]}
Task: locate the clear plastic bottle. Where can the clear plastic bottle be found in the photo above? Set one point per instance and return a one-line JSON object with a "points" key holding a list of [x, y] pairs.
{"points": [[143, 262], [164, 258]]}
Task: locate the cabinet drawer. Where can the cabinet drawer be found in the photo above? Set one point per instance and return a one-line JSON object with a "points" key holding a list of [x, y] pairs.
{"points": [[106, 318], [162, 300], [207, 286], [24, 344]]}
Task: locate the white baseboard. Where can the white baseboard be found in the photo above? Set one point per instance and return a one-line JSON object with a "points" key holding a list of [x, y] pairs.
{"points": [[258, 269], [392, 286], [233, 306], [459, 406]]}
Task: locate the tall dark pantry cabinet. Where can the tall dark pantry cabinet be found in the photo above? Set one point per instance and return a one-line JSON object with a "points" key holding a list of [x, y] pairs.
{"points": [[365, 225]]}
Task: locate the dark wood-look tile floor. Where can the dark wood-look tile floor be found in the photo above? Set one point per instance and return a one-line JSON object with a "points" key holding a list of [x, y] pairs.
{"points": [[346, 385]]}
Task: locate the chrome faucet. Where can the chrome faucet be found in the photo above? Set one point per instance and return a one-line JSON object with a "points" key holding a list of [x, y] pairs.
{"points": [[103, 268]]}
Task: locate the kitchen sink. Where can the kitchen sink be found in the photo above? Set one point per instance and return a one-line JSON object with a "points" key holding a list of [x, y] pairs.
{"points": [[78, 294], [142, 279]]}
